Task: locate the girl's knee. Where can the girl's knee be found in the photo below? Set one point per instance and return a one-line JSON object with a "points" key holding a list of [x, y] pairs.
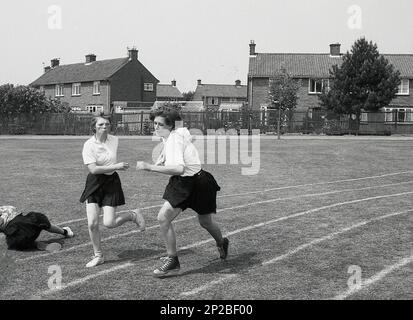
{"points": [[163, 218], [205, 221], [109, 223], [206, 225], [163, 221], [93, 225]]}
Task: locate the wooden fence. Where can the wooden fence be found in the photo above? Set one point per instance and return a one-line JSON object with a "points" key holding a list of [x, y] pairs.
{"points": [[266, 121]]}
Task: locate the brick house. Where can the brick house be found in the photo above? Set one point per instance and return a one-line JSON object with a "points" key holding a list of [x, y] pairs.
{"points": [[168, 92], [313, 71], [95, 85], [221, 96]]}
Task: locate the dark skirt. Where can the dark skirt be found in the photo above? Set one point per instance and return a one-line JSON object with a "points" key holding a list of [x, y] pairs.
{"points": [[198, 192], [104, 190], [23, 230]]}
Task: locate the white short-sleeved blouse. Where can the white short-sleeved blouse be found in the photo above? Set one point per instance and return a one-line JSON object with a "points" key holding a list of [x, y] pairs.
{"points": [[101, 153]]}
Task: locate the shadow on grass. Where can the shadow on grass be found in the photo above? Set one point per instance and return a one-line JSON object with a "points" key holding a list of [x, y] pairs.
{"points": [[138, 254], [236, 264], [141, 255], [59, 240]]}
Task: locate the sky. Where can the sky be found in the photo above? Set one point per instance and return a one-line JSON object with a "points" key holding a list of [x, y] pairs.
{"points": [[187, 40]]}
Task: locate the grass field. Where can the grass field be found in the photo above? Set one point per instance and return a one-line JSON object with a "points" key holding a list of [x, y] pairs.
{"points": [[319, 214]]}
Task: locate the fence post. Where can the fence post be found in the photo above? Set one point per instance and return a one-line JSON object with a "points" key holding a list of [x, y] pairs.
{"points": [[141, 133], [396, 115], [358, 124], [349, 124], [306, 119], [278, 122]]}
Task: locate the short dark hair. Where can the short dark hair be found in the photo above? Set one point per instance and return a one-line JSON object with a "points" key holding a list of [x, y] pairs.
{"points": [[95, 118], [170, 116]]}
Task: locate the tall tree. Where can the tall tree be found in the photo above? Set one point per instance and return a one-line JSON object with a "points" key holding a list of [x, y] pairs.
{"points": [[282, 95], [283, 91], [365, 80], [188, 95]]}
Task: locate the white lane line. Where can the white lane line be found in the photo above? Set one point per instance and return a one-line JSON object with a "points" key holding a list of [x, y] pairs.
{"points": [[89, 243], [273, 189], [221, 210], [82, 280], [84, 219], [266, 190], [208, 285], [309, 184], [315, 184], [297, 249], [377, 277], [332, 235], [295, 215]]}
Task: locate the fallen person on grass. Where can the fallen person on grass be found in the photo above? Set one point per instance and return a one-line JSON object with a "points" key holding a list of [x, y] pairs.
{"points": [[22, 229]]}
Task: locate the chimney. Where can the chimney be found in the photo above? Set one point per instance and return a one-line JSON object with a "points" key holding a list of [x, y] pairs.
{"points": [[335, 50], [252, 48], [55, 63], [133, 54], [238, 83], [46, 69], [90, 58], [173, 82], [199, 82]]}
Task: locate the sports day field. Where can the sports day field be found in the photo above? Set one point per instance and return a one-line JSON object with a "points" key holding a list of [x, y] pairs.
{"points": [[323, 219]]}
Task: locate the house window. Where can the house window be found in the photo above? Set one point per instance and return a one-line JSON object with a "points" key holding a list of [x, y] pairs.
{"points": [[41, 89], [314, 113], [76, 89], [75, 109], [59, 90], [388, 115], [403, 87], [364, 117], [409, 115], [96, 87], [93, 109], [213, 101], [264, 114], [316, 85], [148, 86], [401, 115]]}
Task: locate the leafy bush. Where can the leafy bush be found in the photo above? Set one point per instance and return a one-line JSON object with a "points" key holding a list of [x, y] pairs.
{"points": [[25, 99]]}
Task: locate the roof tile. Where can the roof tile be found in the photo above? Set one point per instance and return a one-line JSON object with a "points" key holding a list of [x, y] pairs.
{"points": [[81, 72], [305, 65], [167, 90], [220, 90]]}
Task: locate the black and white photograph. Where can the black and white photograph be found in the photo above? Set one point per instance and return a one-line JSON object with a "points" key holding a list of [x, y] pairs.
{"points": [[206, 155]]}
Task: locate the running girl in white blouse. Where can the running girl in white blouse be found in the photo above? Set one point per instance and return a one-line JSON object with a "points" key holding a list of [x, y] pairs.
{"points": [[103, 188], [189, 187]]}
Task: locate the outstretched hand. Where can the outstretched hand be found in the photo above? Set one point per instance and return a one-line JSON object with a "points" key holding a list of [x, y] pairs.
{"points": [[123, 166], [141, 165]]}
